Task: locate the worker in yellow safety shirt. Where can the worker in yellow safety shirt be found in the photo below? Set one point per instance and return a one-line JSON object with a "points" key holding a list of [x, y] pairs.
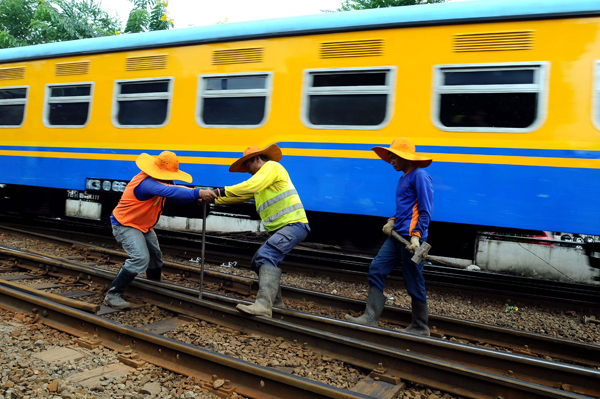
{"points": [[281, 211]]}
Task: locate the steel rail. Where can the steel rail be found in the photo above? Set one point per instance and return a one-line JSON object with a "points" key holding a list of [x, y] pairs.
{"points": [[352, 268], [304, 258], [229, 282], [574, 378], [519, 341], [86, 307], [249, 379]]}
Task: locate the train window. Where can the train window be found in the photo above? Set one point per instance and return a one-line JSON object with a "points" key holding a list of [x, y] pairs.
{"points": [[356, 98], [490, 98], [12, 106], [233, 100], [67, 105], [596, 98], [142, 102]]}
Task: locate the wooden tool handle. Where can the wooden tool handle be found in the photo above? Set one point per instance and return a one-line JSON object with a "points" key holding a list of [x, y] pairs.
{"points": [[399, 238]]}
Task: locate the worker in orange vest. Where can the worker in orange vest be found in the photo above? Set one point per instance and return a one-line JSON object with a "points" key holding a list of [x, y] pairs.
{"points": [[136, 214]]}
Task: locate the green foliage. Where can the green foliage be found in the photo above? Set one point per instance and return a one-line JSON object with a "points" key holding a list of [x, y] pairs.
{"points": [[15, 17], [160, 19], [149, 15], [25, 22], [143, 4], [349, 5], [137, 21]]}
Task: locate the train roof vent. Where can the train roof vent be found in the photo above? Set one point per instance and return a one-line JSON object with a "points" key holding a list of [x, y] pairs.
{"points": [[238, 56], [494, 41], [354, 48], [72, 68], [12, 73], [146, 63]]}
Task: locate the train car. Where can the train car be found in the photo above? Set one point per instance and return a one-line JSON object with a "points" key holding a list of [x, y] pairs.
{"points": [[503, 95]]}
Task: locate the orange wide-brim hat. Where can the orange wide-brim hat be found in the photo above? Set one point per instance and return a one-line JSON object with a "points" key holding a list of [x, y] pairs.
{"points": [[404, 148], [165, 167], [273, 152]]}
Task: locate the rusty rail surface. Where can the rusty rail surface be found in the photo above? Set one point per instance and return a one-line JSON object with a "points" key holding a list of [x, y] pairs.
{"points": [[248, 379], [353, 268], [402, 356], [87, 307]]}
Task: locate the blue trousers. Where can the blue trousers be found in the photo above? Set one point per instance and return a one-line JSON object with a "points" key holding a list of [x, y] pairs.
{"points": [[392, 254], [279, 245], [142, 248]]}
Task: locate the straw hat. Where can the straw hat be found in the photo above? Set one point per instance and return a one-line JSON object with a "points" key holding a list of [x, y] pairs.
{"points": [[165, 167], [404, 148], [273, 152]]}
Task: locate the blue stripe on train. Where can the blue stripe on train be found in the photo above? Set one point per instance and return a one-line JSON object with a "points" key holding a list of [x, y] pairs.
{"points": [[520, 152], [529, 197]]}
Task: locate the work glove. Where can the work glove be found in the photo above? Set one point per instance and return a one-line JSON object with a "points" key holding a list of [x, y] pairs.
{"points": [[389, 227], [414, 244]]}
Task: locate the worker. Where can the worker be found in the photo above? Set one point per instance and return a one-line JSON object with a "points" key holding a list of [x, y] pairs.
{"points": [[414, 206], [136, 214], [281, 211]]}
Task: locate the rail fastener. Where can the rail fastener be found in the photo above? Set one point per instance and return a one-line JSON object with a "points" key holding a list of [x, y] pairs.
{"points": [[87, 342], [130, 358], [219, 386]]}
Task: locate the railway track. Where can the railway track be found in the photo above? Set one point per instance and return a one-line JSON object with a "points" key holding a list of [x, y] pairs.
{"points": [[531, 344], [334, 339], [354, 268]]}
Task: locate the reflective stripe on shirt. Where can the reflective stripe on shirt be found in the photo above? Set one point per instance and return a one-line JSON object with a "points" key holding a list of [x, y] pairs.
{"points": [[277, 198], [282, 212]]}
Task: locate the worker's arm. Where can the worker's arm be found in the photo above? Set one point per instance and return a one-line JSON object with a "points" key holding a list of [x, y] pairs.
{"points": [[264, 178], [424, 188], [150, 187], [226, 200]]}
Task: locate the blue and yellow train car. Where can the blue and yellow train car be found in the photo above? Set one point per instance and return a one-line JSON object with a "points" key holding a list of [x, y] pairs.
{"points": [[503, 95]]}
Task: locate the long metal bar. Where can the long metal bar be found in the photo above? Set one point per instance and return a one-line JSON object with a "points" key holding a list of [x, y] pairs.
{"points": [[249, 379], [203, 243]]}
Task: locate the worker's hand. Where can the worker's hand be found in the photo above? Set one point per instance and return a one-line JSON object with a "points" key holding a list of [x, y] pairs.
{"points": [[414, 244], [207, 195], [389, 226]]}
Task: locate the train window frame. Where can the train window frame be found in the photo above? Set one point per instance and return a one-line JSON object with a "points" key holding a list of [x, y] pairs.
{"points": [[540, 86], [307, 90], [117, 96], [203, 93], [16, 101], [48, 99], [596, 96]]}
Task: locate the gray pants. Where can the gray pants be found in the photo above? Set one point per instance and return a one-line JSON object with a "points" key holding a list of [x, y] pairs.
{"points": [[142, 248]]}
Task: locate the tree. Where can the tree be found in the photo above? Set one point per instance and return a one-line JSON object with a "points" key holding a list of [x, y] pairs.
{"points": [[349, 5], [149, 15], [25, 22]]}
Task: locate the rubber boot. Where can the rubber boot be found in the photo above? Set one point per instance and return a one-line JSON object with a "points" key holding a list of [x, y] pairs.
{"points": [[154, 274], [279, 299], [268, 285], [117, 288], [375, 303], [420, 317]]}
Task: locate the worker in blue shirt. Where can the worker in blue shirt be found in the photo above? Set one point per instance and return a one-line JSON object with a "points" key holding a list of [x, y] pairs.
{"points": [[414, 206]]}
